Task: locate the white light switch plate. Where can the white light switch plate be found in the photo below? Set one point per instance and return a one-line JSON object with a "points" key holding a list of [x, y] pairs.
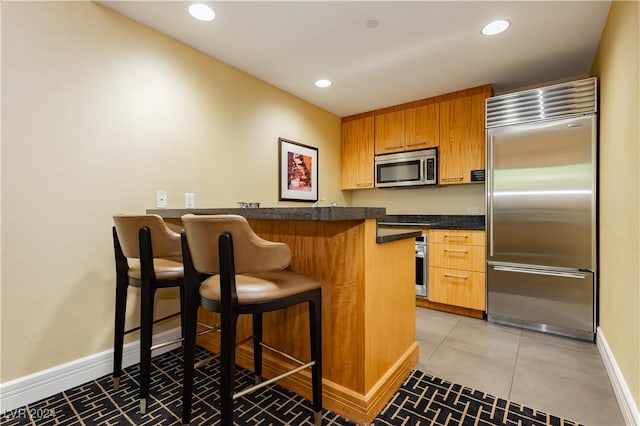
{"points": [[189, 200], [161, 199]]}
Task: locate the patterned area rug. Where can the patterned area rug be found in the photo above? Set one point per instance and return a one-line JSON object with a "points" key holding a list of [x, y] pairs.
{"points": [[426, 400], [422, 400]]}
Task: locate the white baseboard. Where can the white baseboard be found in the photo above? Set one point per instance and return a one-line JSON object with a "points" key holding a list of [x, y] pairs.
{"points": [[34, 387], [628, 406]]}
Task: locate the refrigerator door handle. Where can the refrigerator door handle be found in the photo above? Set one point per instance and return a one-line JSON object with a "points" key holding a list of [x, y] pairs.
{"points": [[489, 161], [539, 272]]}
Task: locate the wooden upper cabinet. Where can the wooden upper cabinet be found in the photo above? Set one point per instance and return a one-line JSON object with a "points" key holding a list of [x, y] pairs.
{"points": [[453, 122], [389, 132], [407, 129], [462, 137], [357, 153], [421, 127]]}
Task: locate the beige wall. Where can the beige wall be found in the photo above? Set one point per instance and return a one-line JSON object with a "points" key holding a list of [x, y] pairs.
{"points": [[453, 199], [616, 65], [98, 113]]}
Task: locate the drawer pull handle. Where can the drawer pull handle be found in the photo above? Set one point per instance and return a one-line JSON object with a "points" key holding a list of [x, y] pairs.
{"points": [[457, 250], [456, 236], [464, 277]]}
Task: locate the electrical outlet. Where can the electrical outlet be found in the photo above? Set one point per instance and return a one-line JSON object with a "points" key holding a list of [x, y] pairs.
{"points": [[472, 210], [189, 200], [161, 199]]}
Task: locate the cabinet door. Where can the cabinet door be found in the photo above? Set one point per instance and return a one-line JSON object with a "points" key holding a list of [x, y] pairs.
{"points": [[461, 138], [421, 127], [458, 288], [357, 153], [389, 132]]}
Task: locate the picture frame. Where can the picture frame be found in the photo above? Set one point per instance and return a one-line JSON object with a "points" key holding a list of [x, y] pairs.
{"points": [[298, 169]]}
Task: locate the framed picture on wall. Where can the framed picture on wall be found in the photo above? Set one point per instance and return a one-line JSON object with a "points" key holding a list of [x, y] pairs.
{"points": [[298, 167]]}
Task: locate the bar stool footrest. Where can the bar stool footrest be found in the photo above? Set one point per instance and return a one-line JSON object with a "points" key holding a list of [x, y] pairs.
{"points": [[272, 380], [154, 322]]}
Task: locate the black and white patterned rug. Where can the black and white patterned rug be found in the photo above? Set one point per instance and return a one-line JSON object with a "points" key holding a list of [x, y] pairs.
{"points": [[421, 400]]}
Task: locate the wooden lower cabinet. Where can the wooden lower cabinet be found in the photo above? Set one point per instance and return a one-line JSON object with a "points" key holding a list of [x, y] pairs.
{"points": [[457, 287], [457, 268], [457, 256]]}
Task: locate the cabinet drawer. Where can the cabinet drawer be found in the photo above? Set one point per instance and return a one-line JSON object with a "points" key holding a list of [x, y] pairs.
{"points": [[459, 288], [450, 256], [456, 236]]}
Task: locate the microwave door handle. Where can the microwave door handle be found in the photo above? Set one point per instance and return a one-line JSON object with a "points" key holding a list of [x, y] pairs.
{"points": [[423, 170]]}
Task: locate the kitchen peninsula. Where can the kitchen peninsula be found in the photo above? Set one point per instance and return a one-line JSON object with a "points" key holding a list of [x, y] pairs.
{"points": [[368, 303]]}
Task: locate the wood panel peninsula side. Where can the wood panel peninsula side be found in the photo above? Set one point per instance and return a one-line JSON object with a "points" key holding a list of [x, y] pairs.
{"points": [[368, 304]]}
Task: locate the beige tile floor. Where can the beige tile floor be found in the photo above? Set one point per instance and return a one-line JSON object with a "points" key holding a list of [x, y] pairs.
{"points": [[560, 376]]}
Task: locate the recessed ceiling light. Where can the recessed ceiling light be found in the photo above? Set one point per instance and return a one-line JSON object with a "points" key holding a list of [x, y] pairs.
{"points": [[323, 83], [495, 27], [202, 12], [372, 23]]}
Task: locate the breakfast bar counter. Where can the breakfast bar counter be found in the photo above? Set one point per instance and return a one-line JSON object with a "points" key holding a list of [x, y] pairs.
{"points": [[368, 303]]}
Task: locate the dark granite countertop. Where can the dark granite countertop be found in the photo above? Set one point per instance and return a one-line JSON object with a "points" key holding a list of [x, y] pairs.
{"points": [[390, 227], [472, 222], [283, 213], [301, 213], [388, 235]]}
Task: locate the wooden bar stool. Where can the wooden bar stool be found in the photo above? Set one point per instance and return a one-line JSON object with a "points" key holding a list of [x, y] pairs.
{"points": [[223, 246], [155, 263]]}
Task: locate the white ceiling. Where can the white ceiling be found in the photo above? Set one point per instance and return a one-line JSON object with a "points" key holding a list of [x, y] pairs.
{"points": [[419, 49]]}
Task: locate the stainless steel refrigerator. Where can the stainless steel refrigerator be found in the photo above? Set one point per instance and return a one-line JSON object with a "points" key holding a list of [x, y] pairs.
{"points": [[541, 208]]}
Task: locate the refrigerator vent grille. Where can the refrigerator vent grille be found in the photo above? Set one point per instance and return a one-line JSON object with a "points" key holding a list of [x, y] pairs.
{"points": [[576, 97]]}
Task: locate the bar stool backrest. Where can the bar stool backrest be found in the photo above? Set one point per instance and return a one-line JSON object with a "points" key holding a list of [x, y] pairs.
{"points": [[165, 242], [252, 254]]}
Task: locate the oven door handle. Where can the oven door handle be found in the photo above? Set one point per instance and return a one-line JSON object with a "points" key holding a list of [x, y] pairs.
{"points": [[422, 269]]}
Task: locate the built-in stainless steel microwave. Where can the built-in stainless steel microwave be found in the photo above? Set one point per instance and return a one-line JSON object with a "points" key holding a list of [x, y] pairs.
{"points": [[411, 168]]}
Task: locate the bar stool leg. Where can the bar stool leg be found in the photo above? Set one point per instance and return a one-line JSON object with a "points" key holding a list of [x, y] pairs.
{"points": [[146, 337], [315, 329], [190, 328], [182, 303], [257, 348], [122, 285], [228, 323], [118, 341]]}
